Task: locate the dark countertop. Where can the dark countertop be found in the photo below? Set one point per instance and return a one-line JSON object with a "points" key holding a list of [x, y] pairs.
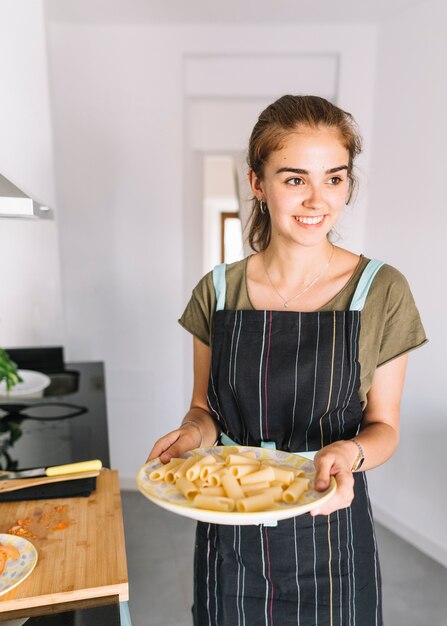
{"points": [[43, 441]]}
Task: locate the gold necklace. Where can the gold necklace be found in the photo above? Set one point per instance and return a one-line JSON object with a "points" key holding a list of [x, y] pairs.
{"points": [[307, 287]]}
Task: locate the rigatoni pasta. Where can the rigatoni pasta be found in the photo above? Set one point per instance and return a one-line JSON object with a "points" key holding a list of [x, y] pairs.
{"points": [[184, 467], [188, 489], [160, 473], [194, 471], [235, 480], [214, 503], [295, 490], [232, 487]]}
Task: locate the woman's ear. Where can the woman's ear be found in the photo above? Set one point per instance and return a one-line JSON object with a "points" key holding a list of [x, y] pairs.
{"points": [[255, 184]]}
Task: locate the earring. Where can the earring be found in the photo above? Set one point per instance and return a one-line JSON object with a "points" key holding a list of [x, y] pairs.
{"points": [[262, 206]]}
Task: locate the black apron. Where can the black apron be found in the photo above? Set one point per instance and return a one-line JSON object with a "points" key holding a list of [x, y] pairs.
{"points": [[292, 379]]}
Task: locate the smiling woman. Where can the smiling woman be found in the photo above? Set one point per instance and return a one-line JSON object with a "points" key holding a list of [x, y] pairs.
{"points": [[301, 346]]}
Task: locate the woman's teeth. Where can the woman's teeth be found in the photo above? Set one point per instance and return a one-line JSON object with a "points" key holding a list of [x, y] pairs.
{"points": [[309, 220]]}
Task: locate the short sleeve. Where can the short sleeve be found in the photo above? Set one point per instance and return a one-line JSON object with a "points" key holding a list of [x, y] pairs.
{"points": [[198, 314], [403, 330], [390, 325]]}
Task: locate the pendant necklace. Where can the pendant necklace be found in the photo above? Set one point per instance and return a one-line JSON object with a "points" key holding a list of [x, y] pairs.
{"points": [[306, 288]]}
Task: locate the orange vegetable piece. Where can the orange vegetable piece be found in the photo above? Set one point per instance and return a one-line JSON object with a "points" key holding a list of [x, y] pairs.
{"points": [[2, 562], [10, 551]]}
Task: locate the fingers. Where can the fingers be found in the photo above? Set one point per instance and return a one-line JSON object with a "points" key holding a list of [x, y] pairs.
{"points": [[176, 443], [323, 465], [163, 444], [343, 496], [329, 462]]}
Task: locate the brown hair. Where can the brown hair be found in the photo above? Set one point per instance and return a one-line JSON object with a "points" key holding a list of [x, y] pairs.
{"points": [[274, 124]]}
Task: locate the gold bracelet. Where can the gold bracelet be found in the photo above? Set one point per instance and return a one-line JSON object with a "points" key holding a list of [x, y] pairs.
{"points": [[359, 458]]}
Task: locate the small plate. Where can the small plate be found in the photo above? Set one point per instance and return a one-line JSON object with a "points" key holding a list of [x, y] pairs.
{"points": [[168, 497], [16, 570], [32, 385]]}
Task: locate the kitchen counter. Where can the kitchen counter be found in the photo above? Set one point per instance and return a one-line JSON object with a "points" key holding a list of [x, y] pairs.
{"points": [[64, 589], [81, 565], [44, 435]]}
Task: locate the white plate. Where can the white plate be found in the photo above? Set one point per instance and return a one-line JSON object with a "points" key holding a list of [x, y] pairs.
{"points": [[16, 570], [32, 386], [168, 497]]}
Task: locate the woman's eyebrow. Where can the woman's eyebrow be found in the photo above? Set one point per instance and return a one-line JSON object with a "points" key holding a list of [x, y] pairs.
{"points": [[298, 170]]}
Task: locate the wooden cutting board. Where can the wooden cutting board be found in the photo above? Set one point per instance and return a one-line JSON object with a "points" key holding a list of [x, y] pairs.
{"points": [[81, 551]]}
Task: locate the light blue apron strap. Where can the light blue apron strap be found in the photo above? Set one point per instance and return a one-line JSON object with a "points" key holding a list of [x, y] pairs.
{"points": [[271, 445], [308, 455], [124, 614], [359, 297], [220, 285], [226, 441]]}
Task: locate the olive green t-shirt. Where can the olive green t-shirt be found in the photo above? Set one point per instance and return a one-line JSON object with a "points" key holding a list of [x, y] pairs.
{"points": [[390, 322]]}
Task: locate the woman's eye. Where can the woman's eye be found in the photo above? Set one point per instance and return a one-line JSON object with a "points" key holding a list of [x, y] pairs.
{"points": [[295, 181], [335, 180]]}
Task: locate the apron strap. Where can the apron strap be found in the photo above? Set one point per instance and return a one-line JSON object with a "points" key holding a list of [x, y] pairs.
{"points": [[225, 440], [220, 285], [366, 279], [357, 302]]}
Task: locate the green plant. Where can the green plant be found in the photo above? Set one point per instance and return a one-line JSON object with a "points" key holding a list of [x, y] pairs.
{"points": [[8, 371]]}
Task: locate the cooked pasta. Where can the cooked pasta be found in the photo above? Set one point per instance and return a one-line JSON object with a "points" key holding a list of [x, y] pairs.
{"points": [[188, 489], [214, 503], [295, 490], [194, 471], [160, 473], [232, 487], [259, 502], [234, 480], [242, 470], [183, 468], [215, 479], [268, 474]]}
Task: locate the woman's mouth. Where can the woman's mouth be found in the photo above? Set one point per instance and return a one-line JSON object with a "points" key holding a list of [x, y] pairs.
{"points": [[309, 221]]}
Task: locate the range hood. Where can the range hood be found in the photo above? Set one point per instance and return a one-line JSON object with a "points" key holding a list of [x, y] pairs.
{"points": [[15, 203]]}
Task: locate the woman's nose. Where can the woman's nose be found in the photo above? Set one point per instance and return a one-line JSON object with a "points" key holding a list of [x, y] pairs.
{"points": [[314, 199]]}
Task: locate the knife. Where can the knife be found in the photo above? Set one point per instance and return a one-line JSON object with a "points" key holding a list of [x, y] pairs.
{"points": [[23, 483], [54, 470]]}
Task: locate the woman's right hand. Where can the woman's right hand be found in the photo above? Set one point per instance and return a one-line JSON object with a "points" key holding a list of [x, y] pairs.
{"points": [[177, 442]]}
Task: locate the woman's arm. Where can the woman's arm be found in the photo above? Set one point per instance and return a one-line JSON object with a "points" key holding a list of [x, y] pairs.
{"points": [[198, 427], [378, 436]]}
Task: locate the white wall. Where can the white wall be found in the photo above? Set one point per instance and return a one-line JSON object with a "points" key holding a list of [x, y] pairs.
{"points": [[118, 146], [30, 303], [219, 195], [129, 237], [407, 225]]}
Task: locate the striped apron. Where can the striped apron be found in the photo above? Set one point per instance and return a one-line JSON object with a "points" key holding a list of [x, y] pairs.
{"points": [[291, 379]]}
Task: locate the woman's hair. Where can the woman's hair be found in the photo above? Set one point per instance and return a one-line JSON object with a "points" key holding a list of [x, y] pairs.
{"points": [[274, 124]]}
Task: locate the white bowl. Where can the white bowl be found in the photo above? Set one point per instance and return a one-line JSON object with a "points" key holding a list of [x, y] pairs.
{"points": [[32, 386]]}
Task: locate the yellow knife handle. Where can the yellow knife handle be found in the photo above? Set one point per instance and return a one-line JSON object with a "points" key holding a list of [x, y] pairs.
{"points": [[71, 468]]}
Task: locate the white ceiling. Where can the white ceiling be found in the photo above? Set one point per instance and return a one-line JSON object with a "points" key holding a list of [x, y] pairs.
{"points": [[224, 11]]}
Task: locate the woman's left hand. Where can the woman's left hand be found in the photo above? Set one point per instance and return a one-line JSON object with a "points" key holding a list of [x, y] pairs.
{"points": [[335, 460]]}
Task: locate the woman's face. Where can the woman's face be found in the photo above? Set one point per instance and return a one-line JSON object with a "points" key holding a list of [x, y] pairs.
{"points": [[305, 185]]}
